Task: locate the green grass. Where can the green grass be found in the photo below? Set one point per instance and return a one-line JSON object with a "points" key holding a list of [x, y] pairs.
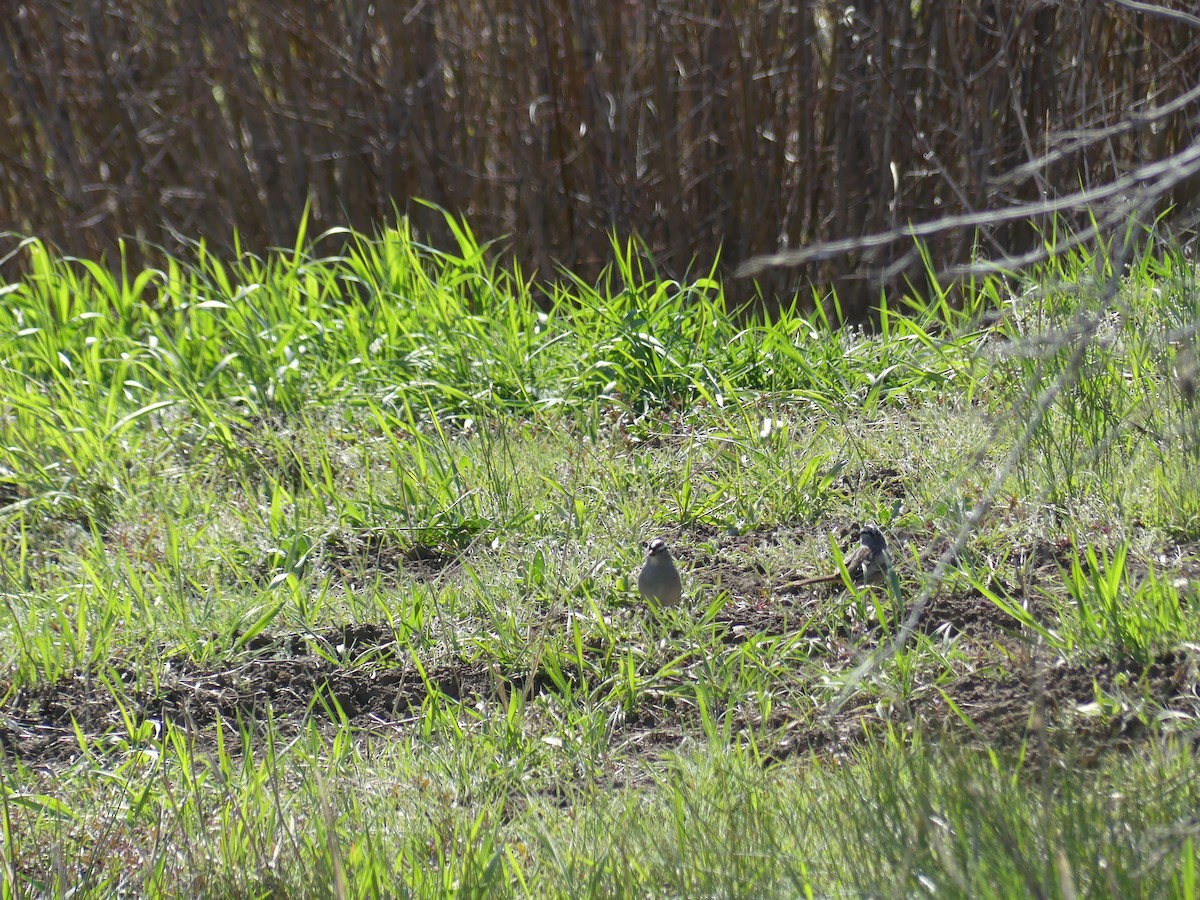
{"points": [[316, 578]]}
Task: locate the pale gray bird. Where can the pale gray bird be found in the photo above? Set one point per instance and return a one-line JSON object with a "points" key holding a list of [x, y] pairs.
{"points": [[658, 582], [868, 564]]}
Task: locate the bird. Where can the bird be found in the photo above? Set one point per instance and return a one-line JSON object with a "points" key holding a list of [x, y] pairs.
{"points": [[659, 582], [868, 564]]}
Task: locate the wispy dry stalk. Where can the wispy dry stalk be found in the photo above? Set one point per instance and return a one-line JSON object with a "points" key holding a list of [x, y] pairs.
{"points": [[704, 127]]}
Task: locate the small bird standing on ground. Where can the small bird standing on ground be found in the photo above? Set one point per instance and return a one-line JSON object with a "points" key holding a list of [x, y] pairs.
{"points": [[868, 564], [658, 582]]}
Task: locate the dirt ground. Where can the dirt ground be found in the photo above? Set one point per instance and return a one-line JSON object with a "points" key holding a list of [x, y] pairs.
{"points": [[1030, 697]]}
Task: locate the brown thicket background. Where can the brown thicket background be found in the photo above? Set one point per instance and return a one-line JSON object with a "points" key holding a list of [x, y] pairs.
{"points": [[739, 127]]}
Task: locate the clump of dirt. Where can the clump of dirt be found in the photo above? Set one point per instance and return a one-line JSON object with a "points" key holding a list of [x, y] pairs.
{"points": [[1083, 706], [285, 682], [1049, 708], [360, 557], [743, 621], [10, 491], [347, 641], [360, 673], [965, 612], [888, 480]]}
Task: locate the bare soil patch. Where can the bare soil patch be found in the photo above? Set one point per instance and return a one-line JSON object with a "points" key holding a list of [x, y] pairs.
{"points": [[362, 674], [286, 682]]}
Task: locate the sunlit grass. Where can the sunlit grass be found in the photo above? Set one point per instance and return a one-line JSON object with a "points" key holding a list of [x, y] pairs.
{"points": [[217, 464]]}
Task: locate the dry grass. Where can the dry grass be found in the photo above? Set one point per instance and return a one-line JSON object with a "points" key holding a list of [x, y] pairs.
{"points": [[737, 128]]}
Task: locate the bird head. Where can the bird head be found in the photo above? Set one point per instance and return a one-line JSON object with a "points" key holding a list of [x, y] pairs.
{"points": [[872, 537], [658, 547]]}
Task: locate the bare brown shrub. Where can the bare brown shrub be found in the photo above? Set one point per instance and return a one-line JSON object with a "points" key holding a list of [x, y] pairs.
{"points": [[738, 127]]}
